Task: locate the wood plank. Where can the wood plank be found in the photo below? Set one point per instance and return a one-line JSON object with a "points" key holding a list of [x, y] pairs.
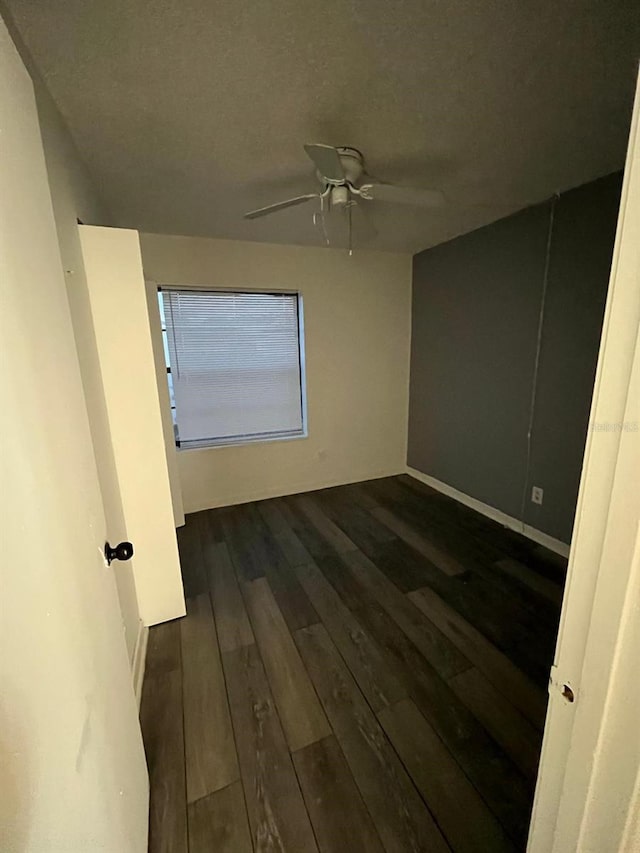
{"points": [[338, 540], [478, 547], [438, 649], [553, 565], [498, 607], [364, 658], [494, 775], [190, 551], [357, 522], [344, 582], [522, 632], [214, 523], [209, 745], [533, 618], [232, 622], [163, 648], [245, 550], [420, 487], [274, 516], [277, 814], [529, 577], [303, 719], [452, 517], [370, 670], [515, 734], [439, 521], [357, 493], [462, 815], [401, 818], [316, 544], [391, 493], [292, 600], [333, 800], [266, 555], [484, 534], [404, 567], [219, 822], [501, 672], [445, 562], [161, 722]]}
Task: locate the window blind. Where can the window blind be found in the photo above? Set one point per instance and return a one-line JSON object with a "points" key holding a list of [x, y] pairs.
{"points": [[235, 365]]}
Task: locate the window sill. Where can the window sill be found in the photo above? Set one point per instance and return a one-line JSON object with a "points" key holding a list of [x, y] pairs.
{"points": [[223, 443]]}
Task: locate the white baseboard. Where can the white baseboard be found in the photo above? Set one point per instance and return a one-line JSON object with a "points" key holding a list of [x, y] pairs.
{"points": [[538, 536], [290, 489], [139, 660]]}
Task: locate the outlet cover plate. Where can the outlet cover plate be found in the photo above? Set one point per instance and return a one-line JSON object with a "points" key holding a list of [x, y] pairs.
{"points": [[537, 495]]}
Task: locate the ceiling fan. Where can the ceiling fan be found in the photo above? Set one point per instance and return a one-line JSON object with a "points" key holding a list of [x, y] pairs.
{"points": [[344, 181]]}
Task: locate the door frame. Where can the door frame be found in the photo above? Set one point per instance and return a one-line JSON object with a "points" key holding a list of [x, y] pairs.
{"points": [[582, 798]]}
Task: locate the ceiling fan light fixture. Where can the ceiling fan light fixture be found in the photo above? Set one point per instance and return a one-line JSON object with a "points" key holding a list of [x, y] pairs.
{"points": [[339, 196]]}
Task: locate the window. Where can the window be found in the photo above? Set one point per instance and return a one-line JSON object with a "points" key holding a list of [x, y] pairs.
{"points": [[234, 365]]}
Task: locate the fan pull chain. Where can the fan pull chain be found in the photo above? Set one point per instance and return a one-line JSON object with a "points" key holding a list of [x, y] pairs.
{"points": [[324, 198], [322, 220]]}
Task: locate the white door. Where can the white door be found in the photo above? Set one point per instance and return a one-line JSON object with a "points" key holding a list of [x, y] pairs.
{"points": [[588, 792], [72, 769]]}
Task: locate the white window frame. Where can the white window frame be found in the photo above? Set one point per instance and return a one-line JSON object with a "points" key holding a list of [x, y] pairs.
{"points": [[249, 439]]}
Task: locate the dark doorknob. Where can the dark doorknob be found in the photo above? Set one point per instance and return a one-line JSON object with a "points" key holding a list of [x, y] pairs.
{"points": [[123, 551]]}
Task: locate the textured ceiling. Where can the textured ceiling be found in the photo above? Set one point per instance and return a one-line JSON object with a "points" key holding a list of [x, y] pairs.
{"points": [[190, 112]]}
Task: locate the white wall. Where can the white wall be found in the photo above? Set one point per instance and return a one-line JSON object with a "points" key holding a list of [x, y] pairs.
{"points": [[117, 294], [75, 197], [357, 327], [72, 767]]}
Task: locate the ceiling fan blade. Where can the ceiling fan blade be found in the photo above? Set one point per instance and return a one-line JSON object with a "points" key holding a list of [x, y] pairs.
{"points": [[327, 161], [403, 195], [280, 205]]}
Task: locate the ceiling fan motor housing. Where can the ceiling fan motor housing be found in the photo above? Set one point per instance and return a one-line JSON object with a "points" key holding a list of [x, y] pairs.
{"points": [[352, 163]]}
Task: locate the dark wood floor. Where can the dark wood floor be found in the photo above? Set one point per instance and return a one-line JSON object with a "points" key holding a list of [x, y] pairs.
{"points": [[361, 668]]}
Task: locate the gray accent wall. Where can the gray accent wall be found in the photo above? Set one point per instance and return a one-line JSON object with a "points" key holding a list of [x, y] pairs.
{"points": [[477, 303], [583, 235]]}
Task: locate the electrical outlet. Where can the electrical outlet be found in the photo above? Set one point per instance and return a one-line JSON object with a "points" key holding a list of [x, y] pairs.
{"points": [[536, 495]]}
